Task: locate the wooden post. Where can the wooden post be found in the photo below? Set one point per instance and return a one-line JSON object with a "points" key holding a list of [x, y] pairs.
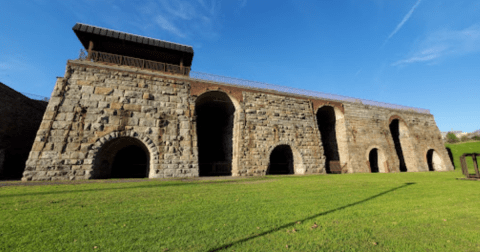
{"points": [[181, 66], [90, 48], [464, 165], [474, 158]]}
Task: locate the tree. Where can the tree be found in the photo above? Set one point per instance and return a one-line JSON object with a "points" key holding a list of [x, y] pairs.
{"points": [[452, 138]]}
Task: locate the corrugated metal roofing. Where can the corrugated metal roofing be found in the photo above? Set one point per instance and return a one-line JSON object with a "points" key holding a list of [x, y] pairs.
{"points": [[79, 27]]}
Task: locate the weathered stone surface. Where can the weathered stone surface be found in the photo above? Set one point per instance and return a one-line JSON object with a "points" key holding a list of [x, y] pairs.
{"points": [[103, 90], [107, 104]]}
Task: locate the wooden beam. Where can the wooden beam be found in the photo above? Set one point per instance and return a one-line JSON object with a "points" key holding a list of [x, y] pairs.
{"points": [[475, 165], [90, 48]]}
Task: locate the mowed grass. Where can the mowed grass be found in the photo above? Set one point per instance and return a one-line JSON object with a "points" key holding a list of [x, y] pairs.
{"points": [[428, 211]]}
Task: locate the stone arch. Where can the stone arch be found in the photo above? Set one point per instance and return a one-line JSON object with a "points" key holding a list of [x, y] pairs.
{"points": [[381, 160], [340, 135], [149, 146], [434, 161], [403, 145], [235, 132], [298, 165]]}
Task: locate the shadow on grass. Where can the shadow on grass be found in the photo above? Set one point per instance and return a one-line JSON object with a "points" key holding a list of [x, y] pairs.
{"points": [[183, 182], [291, 224]]}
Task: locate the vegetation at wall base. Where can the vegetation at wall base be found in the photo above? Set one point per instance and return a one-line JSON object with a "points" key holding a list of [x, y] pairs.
{"points": [[426, 211]]}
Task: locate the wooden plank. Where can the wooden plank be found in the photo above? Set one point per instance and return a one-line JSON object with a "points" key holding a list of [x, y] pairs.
{"points": [[335, 167], [475, 166]]}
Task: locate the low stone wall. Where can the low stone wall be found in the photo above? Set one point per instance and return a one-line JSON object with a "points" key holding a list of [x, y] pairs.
{"points": [[95, 104], [20, 118]]}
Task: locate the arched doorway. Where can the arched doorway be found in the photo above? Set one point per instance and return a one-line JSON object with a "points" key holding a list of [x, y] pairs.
{"points": [[326, 124], [373, 159], [434, 161], [123, 157], [395, 130], [214, 118], [281, 160]]}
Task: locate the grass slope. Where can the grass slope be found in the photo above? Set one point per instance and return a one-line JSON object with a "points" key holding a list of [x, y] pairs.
{"points": [[429, 211]]}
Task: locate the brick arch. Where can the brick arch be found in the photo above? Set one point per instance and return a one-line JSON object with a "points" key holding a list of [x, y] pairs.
{"points": [[149, 145], [341, 134], [298, 165], [395, 116], [233, 99]]}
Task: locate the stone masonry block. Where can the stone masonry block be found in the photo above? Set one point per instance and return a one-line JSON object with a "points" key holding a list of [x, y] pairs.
{"points": [[133, 107], [133, 94], [88, 89], [84, 82], [103, 90]]}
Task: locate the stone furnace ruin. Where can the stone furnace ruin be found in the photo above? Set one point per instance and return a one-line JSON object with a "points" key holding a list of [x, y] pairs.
{"points": [[132, 108]]}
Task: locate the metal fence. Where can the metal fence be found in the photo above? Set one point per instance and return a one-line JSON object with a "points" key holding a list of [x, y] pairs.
{"points": [[35, 97], [316, 94], [135, 62]]}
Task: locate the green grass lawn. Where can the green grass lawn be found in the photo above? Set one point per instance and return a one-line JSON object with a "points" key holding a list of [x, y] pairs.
{"points": [[427, 211]]}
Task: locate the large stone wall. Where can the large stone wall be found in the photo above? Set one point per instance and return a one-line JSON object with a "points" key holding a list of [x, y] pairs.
{"points": [[20, 117], [95, 108], [368, 127]]}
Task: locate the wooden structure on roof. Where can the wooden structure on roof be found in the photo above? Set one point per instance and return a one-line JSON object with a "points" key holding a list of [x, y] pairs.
{"points": [[114, 47]]}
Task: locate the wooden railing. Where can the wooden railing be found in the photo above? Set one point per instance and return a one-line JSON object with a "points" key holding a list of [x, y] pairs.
{"points": [[139, 63]]}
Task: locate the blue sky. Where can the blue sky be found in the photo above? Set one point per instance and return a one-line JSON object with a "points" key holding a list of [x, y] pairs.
{"points": [[419, 53]]}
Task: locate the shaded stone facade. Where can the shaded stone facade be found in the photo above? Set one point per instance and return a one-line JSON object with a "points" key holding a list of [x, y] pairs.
{"points": [[97, 110], [20, 117]]}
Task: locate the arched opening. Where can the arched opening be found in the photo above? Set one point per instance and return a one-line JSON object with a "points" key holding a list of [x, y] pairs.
{"points": [[395, 130], [434, 161], [450, 156], [373, 159], [326, 124], [214, 118], [123, 157], [281, 160]]}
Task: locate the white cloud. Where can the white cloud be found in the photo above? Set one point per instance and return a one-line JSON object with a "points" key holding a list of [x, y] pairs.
{"points": [[445, 43], [168, 26], [182, 18], [179, 9], [404, 20]]}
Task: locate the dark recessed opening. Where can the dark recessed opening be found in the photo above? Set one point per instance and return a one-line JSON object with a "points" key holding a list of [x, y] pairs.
{"points": [[373, 159], [394, 129], [130, 162], [450, 155], [281, 160], [430, 160], [326, 125], [214, 116], [123, 157]]}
